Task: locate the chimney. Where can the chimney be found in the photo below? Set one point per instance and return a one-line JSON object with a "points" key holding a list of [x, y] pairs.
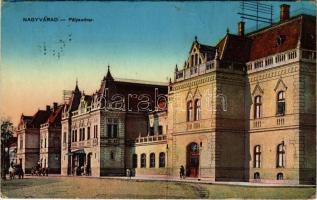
{"points": [[241, 28], [284, 12], [48, 108], [55, 105]]}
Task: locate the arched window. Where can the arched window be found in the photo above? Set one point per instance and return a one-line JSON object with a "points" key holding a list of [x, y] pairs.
{"points": [[257, 156], [196, 59], [189, 111], [162, 159], [197, 109], [257, 107], [143, 160], [280, 155], [279, 176], [257, 175], [135, 161], [281, 103], [152, 160], [192, 60]]}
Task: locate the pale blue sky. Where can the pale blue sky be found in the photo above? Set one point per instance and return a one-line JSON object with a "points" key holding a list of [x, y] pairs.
{"points": [[140, 40]]}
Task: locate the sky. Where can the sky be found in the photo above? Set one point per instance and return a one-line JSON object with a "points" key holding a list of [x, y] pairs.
{"points": [[139, 40]]}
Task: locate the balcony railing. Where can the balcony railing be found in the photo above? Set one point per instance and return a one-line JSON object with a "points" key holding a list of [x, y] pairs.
{"points": [[150, 139], [195, 71], [286, 57], [85, 143]]}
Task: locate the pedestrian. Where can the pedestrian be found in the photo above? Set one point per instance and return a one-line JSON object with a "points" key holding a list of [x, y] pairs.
{"points": [[182, 172], [128, 173]]}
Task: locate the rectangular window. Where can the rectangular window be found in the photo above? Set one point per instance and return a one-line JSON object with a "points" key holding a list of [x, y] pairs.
{"points": [[112, 128], [88, 133], [83, 138], [115, 131], [160, 130], [109, 130], [64, 137], [21, 142], [95, 131]]}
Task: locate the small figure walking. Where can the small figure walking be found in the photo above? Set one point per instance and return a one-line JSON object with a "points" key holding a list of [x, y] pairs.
{"points": [[182, 172], [128, 173]]}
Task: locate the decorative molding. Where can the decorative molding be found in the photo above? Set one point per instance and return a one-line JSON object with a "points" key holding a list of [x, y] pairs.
{"points": [[280, 85], [257, 90]]}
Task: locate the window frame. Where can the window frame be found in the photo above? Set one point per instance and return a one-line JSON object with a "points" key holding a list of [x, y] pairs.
{"points": [[143, 160], [162, 161], [280, 156], [152, 160], [280, 100], [189, 110], [257, 156], [197, 110], [257, 107]]}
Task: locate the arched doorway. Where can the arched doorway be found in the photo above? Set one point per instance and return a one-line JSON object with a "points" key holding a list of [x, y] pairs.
{"points": [[192, 164]]}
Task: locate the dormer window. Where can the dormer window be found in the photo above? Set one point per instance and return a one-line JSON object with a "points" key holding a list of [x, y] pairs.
{"points": [[280, 40]]}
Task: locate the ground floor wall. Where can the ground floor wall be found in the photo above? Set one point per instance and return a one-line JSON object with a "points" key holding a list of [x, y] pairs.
{"points": [[28, 160], [196, 152], [87, 159], [149, 159], [65, 163], [294, 164], [112, 160], [52, 161], [230, 155]]}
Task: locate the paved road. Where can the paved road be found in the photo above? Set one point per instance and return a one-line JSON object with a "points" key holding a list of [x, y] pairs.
{"points": [[194, 180]]}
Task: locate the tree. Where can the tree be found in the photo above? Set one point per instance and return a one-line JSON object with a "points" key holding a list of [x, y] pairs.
{"points": [[6, 135]]}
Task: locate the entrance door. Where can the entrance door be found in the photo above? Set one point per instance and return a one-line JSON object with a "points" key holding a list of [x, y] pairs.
{"points": [[192, 160]]}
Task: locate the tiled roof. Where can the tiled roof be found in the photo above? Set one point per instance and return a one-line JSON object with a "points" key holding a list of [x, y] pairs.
{"points": [[265, 42], [270, 40]]}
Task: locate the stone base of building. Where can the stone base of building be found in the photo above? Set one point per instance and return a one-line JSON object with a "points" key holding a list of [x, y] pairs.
{"points": [[112, 172], [54, 170]]}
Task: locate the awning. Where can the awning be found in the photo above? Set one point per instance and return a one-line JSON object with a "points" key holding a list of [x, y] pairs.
{"points": [[79, 151]]}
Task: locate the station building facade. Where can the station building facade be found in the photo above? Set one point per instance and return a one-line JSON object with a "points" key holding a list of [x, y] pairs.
{"points": [[241, 110]]}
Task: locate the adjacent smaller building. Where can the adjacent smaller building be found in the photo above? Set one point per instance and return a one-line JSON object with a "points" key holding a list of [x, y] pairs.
{"points": [[28, 134], [50, 141]]}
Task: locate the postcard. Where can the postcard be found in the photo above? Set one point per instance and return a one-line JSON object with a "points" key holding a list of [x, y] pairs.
{"points": [[158, 99]]}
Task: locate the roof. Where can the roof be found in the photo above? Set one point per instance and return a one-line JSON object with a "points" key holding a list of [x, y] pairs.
{"points": [[234, 48], [265, 41], [132, 87], [40, 117], [55, 116], [25, 120], [204, 49]]}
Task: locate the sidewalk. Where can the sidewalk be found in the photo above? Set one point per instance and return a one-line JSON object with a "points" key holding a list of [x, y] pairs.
{"points": [[186, 180]]}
